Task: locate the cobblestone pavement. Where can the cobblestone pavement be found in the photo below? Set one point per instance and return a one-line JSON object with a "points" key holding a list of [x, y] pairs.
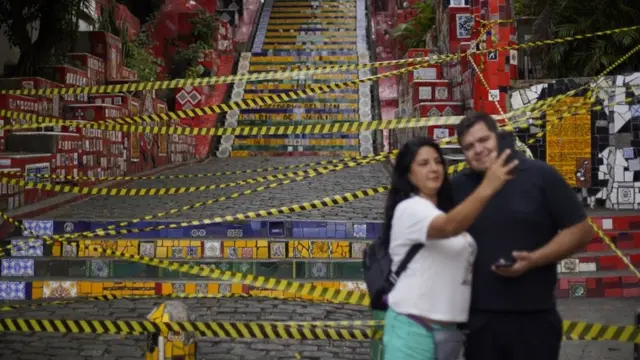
{"points": [[347, 180], [44, 346]]}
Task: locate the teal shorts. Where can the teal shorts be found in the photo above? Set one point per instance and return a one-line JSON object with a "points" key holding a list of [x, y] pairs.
{"points": [[406, 339]]}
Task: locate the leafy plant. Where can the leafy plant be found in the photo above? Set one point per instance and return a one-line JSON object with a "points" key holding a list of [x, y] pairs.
{"points": [[201, 39], [137, 56], [413, 34], [57, 24], [588, 57]]}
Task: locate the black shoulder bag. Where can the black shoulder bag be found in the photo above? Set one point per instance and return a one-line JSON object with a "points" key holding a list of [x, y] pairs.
{"points": [[377, 272]]}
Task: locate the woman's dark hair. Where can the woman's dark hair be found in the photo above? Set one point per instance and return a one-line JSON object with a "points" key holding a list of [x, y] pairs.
{"points": [[402, 188]]}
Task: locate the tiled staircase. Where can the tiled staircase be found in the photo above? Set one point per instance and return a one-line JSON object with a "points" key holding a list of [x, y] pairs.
{"points": [[302, 33]]}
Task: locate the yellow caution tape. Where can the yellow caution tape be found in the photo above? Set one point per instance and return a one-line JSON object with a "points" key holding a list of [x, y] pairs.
{"points": [[276, 98], [348, 296], [299, 176], [62, 188], [180, 83], [113, 297], [329, 330], [189, 176]]}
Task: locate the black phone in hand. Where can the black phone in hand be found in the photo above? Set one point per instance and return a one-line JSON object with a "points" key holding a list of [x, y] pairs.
{"points": [[507, 141]]}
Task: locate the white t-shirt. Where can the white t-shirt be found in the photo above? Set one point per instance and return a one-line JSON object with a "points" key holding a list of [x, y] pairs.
{"points": [[437, 282]]}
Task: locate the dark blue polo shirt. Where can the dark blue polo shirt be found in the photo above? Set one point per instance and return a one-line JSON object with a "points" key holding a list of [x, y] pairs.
{"points": [[524, 215]]}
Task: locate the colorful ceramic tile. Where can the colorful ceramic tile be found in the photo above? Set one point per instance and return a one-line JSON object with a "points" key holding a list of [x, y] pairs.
{"points": [[99, 268], [247, 253], [278, 250], [70, 249], [232, 252], [243, 267], [360, 230], [26, 247], [202, 289], [177, 288], [37, 228], [17, 267], [224, 289], [10, 290], [212, 248], [176, 252], [148, 249], [192, 251], [320, 249], [318, 270], [59, 289], [357, 249]]}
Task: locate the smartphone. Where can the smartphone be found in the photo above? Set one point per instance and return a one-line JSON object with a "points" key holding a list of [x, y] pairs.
{"points": [[506, 140], [502, 263]]}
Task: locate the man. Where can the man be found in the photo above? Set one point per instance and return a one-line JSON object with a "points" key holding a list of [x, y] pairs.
{"points": [[533, 222]]}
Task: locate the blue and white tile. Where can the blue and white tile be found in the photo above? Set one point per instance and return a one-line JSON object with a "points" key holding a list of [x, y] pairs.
{"points": [[37, 228], [17, 267], [26, 247], [11, 290]]}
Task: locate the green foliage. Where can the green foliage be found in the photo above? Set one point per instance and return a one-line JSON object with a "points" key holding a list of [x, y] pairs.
{"points": [[413, 33], [137, 56], [57, 25], [588, 57], [199, 40]]}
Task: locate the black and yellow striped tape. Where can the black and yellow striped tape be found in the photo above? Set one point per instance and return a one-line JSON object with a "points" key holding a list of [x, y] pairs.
{"points": [[299, 176], [260, 101], [179, 83], [307, 289], [330, 330], [63, 188], [113, 297], [224, 330], [189, 176]]}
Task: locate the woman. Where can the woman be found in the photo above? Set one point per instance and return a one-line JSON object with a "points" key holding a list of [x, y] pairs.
{"points": [[432, 295]]}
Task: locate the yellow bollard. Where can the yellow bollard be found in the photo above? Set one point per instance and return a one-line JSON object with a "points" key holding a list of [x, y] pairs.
{"points": [[175, 346]]}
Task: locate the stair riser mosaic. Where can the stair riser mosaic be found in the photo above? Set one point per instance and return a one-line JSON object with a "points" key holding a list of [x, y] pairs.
{"points": [[289, 36]]}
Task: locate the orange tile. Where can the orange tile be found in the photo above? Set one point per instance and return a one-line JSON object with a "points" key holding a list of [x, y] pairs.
{"points": [[167, 289], [213, 288], [190, 288]]}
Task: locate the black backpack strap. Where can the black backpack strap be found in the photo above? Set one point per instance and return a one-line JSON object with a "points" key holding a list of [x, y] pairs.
{"points": [[413, 250]]}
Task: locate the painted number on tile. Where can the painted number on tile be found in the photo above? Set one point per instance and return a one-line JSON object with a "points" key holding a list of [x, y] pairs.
{"points": [[234, 233]]}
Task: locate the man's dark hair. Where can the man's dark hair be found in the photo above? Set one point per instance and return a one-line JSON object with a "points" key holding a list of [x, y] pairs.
{"points": [[471, 120]]}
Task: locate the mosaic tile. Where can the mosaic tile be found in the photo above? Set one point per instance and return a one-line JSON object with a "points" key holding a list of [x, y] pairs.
{"points": [[212, 248], [192, 251], [99, 268], [247, 253], [13, 290], [70, 249], [224, 289], [177, 288], [320, 249], [360, 230], [26, 247], [202, 289], [59, 289], [277, 250], [357, 249], [232, 252], [177, 252], [37, 228], [318, 270], [17, 267], [148, 249]]}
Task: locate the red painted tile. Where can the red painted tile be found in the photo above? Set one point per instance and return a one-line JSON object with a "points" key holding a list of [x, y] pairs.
{"points": [[633, 292], [631, 279], [610, 282], [610, 293], [591, 283], [158, 288], [563, 284]]}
